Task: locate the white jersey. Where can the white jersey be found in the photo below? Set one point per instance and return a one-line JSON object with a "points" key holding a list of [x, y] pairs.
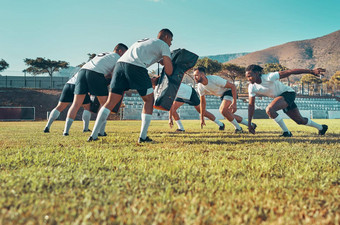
{"points": [[103, 63], [184, 91], [270, 86], [216, 86], [73, 79], [146, 52]]}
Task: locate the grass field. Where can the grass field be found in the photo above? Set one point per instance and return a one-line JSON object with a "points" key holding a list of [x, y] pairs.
{"points": [[198, 177]]}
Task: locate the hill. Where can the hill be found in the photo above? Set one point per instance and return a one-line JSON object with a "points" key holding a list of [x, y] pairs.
{"points": [[225, 57], [312, 53]]}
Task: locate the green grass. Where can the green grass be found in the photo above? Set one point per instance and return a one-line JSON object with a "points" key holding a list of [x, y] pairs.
{"points": [[198, 177]]}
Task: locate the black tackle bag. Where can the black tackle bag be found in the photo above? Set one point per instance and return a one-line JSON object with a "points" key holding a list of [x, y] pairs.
{"points": [[167, 86]]}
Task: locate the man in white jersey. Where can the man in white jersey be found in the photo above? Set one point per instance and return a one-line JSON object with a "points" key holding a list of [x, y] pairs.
{"points": [[187, 94], [66, 97], [92, 79], [131, 73], [215, 85], [284, 96]]}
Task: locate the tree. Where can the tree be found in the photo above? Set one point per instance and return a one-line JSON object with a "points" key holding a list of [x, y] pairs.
{"points": [[212, 66], [232, 71], [310, 79], [42, 65], [3, 65], [91, 56], [335, 81]]}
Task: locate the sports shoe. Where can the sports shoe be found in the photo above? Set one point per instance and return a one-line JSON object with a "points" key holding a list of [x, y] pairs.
{"points": [[102, 135], [147, 139], [324, 129], [47, 130], [238, 131], [254, 126], [88, 130], [222, 127], [65, 134], [180, 130], [286, 134], [91, 139]]}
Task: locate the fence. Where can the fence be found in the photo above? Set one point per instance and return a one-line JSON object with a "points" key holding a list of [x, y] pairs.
{"points": [[40, 82]]}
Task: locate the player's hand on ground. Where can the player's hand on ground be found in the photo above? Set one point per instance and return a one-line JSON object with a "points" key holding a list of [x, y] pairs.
{"points": [[202, 124], [251, 129], [171, 123]]}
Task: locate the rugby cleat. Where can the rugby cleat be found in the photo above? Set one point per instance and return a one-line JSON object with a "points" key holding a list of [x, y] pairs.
{"points": [[91, 139], [254, 126], [180, 130], [286, 134], [102, 135], [88, 130], [141, 140], [238, 131], [65, 134], [324, 129], [222, 127], [47, 130]]}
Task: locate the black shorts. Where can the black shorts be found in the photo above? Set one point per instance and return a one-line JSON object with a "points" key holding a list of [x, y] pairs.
{"points": [[289, 98], [194, 100], [227, 93], [67, 95], [128, 76], [90, 81]]}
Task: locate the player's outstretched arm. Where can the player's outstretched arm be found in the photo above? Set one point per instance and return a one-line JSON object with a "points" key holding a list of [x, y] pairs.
{"points": [[251, 109], [287, 73]]}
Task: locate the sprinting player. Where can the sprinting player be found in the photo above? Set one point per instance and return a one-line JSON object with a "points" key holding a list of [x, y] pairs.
{"points": [[215, 85], [131, 73], [66, 97], [187, 94], [92, 79], [284, 96]]}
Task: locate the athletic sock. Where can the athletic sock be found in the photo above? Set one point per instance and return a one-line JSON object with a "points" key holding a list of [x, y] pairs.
{"points": [[311, 123], [101, 119], [102, 129], [146, 119], [219, 123], [235, 123], [86, 119], [68, 125], [245, 122], [281, 123], [53, 116], [179, 124]]}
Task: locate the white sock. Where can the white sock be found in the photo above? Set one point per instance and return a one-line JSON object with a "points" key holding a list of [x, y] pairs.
{"points": [[102, 129], [179, 124], [68, 125], [281, 123], [244, 122], [235, 123], [86, 119], [146, 119], [101, 119], [219, 123], [53, 116], [311, 123]]}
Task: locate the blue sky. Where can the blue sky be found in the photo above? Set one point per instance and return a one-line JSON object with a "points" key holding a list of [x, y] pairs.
{"points": [[69, 29]]}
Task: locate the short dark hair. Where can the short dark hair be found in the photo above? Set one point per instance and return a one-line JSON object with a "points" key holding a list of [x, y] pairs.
{"points": [[254, 68], [164, 32], [120, 46], [200, 69]]}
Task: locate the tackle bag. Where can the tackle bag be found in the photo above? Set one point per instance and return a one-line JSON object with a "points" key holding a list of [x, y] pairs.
{"points": [[167, 86]]}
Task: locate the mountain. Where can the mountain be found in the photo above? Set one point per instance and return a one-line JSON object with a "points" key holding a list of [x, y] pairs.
{"points": [[225, 57], [312, 53]]}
